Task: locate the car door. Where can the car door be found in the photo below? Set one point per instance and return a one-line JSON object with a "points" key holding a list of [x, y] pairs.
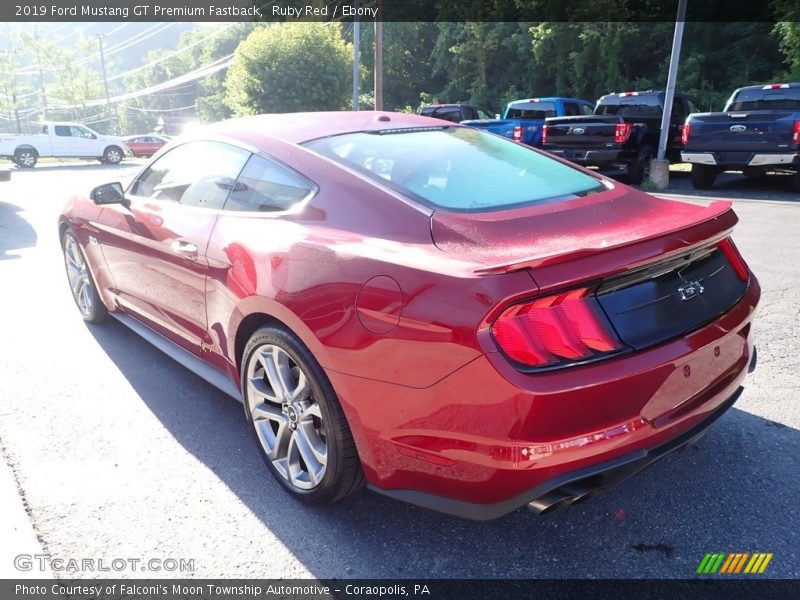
{"points": [[86, 142], [64, 144], [155, 244]]}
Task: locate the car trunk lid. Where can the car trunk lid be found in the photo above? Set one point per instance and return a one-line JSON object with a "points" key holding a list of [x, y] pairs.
{"points": [[655, 266]]}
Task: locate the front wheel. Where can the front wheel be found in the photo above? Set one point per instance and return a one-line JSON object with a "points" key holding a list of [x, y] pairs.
{"points": [[112, 155], [84, 291], [297, 420], [703, 176]]}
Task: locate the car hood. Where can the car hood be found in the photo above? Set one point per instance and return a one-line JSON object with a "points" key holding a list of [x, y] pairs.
{"points": [[556, 232]]}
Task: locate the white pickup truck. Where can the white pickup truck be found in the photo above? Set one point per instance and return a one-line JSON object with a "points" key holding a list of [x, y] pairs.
{"points": [[62, 140]]}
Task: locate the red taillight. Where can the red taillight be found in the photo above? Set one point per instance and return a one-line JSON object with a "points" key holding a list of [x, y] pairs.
{"points": [[544, 133], [796, 132], [621, 132], [561, 328], [685, 131], [736, 260], [775, 86], [517, 133]]}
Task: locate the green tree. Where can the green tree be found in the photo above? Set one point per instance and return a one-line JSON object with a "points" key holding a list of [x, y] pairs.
{"points": [[290, 67]]}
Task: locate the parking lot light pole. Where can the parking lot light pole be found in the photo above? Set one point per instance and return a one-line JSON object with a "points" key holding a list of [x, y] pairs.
{"points": [[659, 167]]}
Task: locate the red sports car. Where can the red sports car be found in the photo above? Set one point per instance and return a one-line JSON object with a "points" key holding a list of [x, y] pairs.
{"points": [[145, 145], [460, 321]]}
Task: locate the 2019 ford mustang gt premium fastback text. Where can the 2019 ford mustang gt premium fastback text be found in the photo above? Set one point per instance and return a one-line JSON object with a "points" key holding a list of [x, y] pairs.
{"points": [[457, 320]]}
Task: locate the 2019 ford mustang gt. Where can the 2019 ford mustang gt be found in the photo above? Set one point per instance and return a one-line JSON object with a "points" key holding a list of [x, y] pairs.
{"points": [[458, 320]]}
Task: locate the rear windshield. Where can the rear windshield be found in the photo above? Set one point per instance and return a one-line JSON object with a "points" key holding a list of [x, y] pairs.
{"points": [[627, 106], [531, 110], [457, 168], [778, 99]]}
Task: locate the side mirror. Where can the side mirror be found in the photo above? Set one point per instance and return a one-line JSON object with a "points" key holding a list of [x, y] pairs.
{"points": [[92, 136], [108, 193]]}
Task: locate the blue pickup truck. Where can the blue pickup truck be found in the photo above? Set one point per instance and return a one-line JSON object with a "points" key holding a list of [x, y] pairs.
{"points": [[523, 119], [757, 131]]}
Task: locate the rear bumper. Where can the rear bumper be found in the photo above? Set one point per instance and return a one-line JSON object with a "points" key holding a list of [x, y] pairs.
{"points": [[488, 439], [744, 159], [571, 487], [593, 157]]}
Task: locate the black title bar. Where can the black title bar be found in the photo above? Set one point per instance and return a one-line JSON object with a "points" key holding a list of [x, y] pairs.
{"points": [[396, 10]]}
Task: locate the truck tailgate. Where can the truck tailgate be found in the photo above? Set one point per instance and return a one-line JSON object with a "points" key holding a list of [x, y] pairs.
{"points": [[756, 131], [582, 131]]}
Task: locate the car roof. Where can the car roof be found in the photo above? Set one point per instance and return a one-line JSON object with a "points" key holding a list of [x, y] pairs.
{"points": [[788, 84], [297, 128], [546, 99]]}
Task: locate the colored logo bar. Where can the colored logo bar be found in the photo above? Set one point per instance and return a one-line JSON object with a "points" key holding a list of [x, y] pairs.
{"points": [[734, 562]]}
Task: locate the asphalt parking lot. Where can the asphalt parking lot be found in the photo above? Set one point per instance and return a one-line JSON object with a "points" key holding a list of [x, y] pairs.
{"points": [[118, 452]]}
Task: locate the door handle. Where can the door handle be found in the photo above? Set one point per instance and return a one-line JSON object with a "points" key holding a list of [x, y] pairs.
{"points": [[186, 248]]}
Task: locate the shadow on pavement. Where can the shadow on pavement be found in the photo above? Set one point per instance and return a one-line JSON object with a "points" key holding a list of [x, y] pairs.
{"points": [[772, 187], [15, 232], [80, 166], [736, 490]]}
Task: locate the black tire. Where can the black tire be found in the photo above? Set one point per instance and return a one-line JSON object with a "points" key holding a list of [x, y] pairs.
{"points": [[794, 182], [639, 169], [703, 176], [91, 305], [342, 471], [113, 155], [753, 172], [26, 158]]}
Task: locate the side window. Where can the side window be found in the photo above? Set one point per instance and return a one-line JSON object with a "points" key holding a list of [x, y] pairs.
{"points": [[195, 174], [266, 186], [571, 109], [469, 113], [587, 109], [693, 108], [452, 114], [80, 132], [63, 130]]}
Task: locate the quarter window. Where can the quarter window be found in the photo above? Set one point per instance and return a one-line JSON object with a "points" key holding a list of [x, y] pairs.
{"points": [[266, 186], [195, 174]]}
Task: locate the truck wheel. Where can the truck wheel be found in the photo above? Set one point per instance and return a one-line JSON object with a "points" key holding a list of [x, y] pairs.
{"points": [[753, 172], [639, 170], [26, 157], [794, 183], [703, 176], [112, 155]]}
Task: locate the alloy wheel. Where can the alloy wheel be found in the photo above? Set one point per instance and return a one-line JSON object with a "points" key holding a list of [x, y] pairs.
{"points": [[287, 418], [113, 157], [78, 274], [26, 159]]}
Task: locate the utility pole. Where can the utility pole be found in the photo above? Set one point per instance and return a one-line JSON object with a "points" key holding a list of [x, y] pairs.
{"points": [[112, 115], [378, 63], [41, 73], [356, 57], [13, 95], [659, 168]]}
